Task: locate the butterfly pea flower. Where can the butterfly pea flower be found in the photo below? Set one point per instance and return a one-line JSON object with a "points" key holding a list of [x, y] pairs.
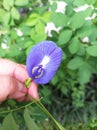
{"points": [[43, 61]]}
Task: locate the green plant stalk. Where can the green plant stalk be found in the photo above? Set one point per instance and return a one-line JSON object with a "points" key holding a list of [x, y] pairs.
{"points": [[15, 109], [42, 107]]}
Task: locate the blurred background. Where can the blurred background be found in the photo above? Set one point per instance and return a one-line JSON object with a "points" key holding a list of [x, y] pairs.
{"points": [[71, 96]]}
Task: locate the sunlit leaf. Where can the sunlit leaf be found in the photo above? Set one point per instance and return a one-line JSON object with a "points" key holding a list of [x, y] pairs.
{"points": [[38, 34], [21, 2], [6, 4], [11, 2], [15, 13], [46, 17], [32, 19], [6, 18], [2, 12]]}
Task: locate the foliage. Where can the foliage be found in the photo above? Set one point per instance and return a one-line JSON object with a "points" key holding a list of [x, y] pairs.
{"points": [[73, 89]]}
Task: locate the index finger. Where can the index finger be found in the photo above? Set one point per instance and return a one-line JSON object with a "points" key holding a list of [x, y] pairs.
{"points": [[20, 73], [13, 69]]}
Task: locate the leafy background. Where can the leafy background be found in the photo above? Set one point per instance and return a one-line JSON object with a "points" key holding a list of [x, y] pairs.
{"points": [[71, 96]]}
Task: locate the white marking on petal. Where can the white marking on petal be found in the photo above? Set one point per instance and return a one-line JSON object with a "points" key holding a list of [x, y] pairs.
{"points": [[45, 61]]}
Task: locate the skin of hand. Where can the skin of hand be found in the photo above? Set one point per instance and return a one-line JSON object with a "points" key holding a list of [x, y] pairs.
{"points": [[12, 78]]}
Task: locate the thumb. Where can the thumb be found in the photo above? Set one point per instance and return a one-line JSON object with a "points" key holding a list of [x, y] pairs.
{"points": [[33, 91]]}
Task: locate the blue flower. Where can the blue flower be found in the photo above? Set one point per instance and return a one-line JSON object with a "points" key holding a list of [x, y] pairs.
{"points": [[43, 61]]}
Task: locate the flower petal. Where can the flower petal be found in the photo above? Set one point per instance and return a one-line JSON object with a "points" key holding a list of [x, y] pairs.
{"points": [[48, 55]]}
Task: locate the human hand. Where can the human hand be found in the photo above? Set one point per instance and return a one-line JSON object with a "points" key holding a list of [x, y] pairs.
{"points": [[12, 78]]}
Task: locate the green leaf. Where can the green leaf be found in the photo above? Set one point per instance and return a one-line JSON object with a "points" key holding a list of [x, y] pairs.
{"points": [[88, 12], [46, 92], [21, 2], [14, 50], [40, 37], [54, 7], [38, 33], [84, 73], [29, 121], [6, 18], [64, 89], [64, 37], [28, 49], [6, 4], [91, 2], [64, 56], [11, 2], [40, 27], [13, 34], [93, 34], [92, 50], [2, 53], [82, 50], [25, 30], [32, 19], [77, 20], [79, 2], [75, 63], [15, 13], [59, 19], [54, 80], [12, 22], [68, 1], [46, 17], [84, 31], [95, 5], [74, 46], [27, 44], [9, 123], [2, 13], [69, 10], [11, 102], [54, 35]]}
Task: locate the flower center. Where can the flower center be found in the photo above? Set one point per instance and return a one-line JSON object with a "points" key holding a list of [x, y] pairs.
{"points": [[45, 61], [38, 71]]}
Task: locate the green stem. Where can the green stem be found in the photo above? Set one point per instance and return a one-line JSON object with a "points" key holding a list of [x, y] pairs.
{"points": [[15, 109], [42, 107]]}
